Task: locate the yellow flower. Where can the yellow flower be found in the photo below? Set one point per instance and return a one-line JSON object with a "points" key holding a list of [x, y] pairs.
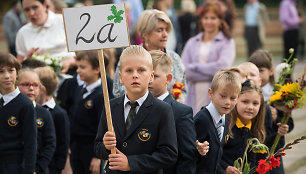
{"points": [[292, 89], [262, 151], [276, 96]]}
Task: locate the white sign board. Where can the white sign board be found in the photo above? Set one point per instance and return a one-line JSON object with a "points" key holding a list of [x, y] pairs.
{"points": [[96, 27]]}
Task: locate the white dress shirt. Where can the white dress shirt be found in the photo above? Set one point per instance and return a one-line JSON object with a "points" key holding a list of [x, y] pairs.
{"points": [[216, 116], [10, 96], [127, 107]]}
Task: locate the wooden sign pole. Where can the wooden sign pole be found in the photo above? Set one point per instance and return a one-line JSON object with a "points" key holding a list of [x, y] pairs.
{"points": [[105, 94]]}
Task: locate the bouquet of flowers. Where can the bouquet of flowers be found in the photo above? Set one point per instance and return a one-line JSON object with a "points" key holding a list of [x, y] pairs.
{"points": [[177, 90], [266, 165], [54, 62], [287, 95], [252, 145]]}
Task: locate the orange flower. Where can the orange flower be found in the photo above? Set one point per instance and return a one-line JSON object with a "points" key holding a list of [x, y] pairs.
{"points": [[176, 93], [178, 85]]}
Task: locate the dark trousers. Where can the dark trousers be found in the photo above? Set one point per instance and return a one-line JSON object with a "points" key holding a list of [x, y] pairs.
{"points": [[290, 38], [251, 35], [12, 49], [80, 158], [10, 168], [55, 171]]}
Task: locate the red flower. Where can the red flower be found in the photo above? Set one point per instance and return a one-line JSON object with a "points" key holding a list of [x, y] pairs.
{"points": [[178, 85], [263, 167], [291, 104], [274, 162], [283, 154]]}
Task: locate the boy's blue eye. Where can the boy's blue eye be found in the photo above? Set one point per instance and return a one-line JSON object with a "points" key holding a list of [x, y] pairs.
{"points": [[141, 70]]}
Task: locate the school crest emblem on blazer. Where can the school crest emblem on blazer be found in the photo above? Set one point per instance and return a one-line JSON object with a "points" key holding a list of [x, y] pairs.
{"points": [[12, 121], [89, 104], [144, 135], [40, 122]]}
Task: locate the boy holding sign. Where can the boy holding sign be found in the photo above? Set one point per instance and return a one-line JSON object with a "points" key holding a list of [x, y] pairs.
{"points": [[144, 135]]}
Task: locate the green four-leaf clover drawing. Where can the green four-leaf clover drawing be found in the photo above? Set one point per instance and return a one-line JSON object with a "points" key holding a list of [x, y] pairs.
{"points": [[116, 15]]}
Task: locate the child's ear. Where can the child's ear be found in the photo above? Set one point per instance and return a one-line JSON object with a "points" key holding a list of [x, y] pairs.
{"points": [[98, 70], [272, 71], [151, 77], [210, 93], [169, 78], [121, 81]]}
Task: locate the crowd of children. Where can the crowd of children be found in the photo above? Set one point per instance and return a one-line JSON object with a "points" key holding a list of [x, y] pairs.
{"points": [[153, 133]]}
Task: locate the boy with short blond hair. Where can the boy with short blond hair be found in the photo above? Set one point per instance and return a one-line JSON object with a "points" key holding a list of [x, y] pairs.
{"points": [[144, 126], [210, 122], [183, 115], [49, 82], [18, 130]]}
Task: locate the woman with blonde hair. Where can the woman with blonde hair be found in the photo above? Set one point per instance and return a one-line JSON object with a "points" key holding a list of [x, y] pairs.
{"points": [[153, 27]]}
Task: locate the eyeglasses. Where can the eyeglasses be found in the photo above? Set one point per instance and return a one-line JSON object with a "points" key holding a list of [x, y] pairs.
{"points": [[28, 85]]}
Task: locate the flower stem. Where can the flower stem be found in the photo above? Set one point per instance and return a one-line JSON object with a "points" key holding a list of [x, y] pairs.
{"points": [[245, 154], [277, 138]]}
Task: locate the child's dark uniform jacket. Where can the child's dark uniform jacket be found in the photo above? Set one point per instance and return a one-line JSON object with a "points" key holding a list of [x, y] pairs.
{"points": [[66, 94], [186, 137], [150, 143], [235, 147], [62, 132], [18, 136], [84, 126], [46, 140], [206, 131]]}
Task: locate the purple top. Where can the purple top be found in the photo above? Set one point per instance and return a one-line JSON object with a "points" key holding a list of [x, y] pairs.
{"points": [[221, 55], [288, 15]]}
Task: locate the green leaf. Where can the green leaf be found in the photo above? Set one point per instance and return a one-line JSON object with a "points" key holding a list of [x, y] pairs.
{"points": [[237, 164], [120, 12], [114, 10], [118, 19], [111, 17], [246, 169]]}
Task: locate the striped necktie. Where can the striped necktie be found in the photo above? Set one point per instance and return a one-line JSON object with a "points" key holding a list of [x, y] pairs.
{"points": [[131, 114], [220, 129]]}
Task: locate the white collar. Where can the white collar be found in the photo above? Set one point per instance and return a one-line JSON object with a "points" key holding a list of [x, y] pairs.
{"points": [[50, 103], [91, 87], [162, 97], [140, 100], [10, 96], [215, 114], [80, 82]]}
